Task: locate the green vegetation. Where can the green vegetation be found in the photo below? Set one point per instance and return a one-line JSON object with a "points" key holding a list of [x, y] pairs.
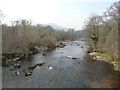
{"points": [[104, 55]]}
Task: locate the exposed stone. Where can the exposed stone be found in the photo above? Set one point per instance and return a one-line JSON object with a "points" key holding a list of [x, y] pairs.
{"points": [[71, 57], [60, 45], [92, 54], [34, 66], [28, 73], [8, 55], [50, 68], [16, 59], [17, 65], [30, 69]]}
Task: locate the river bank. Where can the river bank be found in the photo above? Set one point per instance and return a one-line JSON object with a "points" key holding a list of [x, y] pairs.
{"points": [[58, 71], [106, 58], [12, 57]]}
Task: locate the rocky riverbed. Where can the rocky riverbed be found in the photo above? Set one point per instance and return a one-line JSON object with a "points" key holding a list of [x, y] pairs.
{"points": [[95, 56], [60, 71]]}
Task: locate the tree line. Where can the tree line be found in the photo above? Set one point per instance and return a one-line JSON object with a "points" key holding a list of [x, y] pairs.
{"points": [[102, 31], [22, 33]]}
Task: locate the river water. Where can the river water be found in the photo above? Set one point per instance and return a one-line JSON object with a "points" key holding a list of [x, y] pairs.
{"points": [[61, 72]]}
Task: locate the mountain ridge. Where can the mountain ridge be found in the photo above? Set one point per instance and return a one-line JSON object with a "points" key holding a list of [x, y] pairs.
{"points": [[55, 26]]}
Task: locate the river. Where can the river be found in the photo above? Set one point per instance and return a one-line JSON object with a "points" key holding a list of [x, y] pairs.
{"points": [[61, 72]]}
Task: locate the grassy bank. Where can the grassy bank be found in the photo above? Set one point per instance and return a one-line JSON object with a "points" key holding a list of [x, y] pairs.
{"points": [[112, 59]]}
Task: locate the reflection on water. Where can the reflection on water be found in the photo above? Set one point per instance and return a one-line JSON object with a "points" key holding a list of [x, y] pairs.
{"points": [[105, 82]]}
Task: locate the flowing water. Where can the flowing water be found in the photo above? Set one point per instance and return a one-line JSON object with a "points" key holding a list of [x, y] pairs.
{"points": [[61, 72]]}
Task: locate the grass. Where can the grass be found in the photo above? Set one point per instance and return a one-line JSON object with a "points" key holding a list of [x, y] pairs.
{"points": [[113, 58], [106, 56]]}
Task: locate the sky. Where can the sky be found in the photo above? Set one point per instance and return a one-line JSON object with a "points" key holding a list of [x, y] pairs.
{"points": [[66, 13]]}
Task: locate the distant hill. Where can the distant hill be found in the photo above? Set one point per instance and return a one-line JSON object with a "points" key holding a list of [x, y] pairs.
{"points": [[54, 26]]}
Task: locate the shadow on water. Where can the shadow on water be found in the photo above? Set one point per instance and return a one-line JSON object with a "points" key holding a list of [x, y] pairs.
{"points": [[61, 72]]}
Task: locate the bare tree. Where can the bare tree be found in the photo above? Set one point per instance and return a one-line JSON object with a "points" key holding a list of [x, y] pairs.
{"points": [[92, 26], [114, 13]]}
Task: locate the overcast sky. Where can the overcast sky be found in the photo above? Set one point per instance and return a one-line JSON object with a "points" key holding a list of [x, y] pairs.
{"points": [[66, 13]]}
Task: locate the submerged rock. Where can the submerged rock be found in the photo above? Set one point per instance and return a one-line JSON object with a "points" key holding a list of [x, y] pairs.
{"points": [[34, 52], [61, 52], [81, 46], [12, 69], [40, 64], [44, 54], [77, 43]]}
